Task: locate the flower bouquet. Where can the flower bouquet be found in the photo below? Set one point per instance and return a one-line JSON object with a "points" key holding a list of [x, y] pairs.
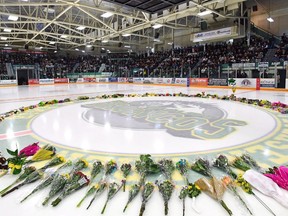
{"points": [[97, 168], [32, 177], [248, 189], [3, 165], [98, 190], [202, 166], [222, 163], [133, 192], [79, 165], [239, 163], [46, 182], [279, 176], [182, 166], [126, 169], [110, 167], [44, 153], [166, 189], [250, 161], [215, 189], [167, 167], [77, 181], [16, 162], [27, 171], [29, 150], [192, 191], [112, 191], [146, 166], [54, 162], [227, 181], [146, 195]]}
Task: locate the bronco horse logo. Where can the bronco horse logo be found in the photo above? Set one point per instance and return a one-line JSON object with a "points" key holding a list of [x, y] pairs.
{"points": [[191, 119]]}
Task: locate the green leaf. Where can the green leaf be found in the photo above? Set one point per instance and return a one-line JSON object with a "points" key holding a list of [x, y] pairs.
{"points": [[13, 153]]}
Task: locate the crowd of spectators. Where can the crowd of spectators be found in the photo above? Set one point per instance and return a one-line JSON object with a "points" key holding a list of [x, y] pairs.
{"points": [[282, 51], [172, 63]]}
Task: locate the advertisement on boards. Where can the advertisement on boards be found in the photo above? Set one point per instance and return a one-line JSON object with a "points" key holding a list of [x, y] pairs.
{"points": [[198, 82]]}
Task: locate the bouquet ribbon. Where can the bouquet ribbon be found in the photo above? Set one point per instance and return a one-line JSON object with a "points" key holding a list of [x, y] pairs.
{"points": [[14, 166]]}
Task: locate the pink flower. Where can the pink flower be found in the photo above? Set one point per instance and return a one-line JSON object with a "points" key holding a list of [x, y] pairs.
{"points": [[280, 177], [29, 150]]}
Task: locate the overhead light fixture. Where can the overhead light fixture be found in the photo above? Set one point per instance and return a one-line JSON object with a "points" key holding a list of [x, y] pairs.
{"points": [[55, 51], [41, 47], [83, 51], [104, 41], [80, 28], [103, 48], [64, 36], [156, 26], [170, 43], [6, 45], [88, 45], [52, 42], [126, 35], [3, 38], [49, 10], [127, 46], [204, 13], [156, 40], [107, 14], [270, 19], [13, 18], [7, 30], [77, 49]]}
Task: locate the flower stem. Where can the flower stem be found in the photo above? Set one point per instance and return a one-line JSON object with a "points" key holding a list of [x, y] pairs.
{"points": [[166, 207], [264, 204], [125, 207], [183, 203], [103, 210], [142, 209], [226, 207], [56, 202], [13, 189]]}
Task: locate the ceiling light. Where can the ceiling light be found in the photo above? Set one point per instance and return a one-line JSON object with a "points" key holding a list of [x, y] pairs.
{"points": [[3, 38], [7, 30], [127, 46], [103, 48], [270, 19], [204, 13], [55, 51], [6, 45], [13, 18], [126, 35], [52, 42], [77, 49], [156, 26], [107, 14], [170, 43], [83, 51], [63, 36], [49, 10], [80, 28], [41, 47], [104, 41], [88, 45]]}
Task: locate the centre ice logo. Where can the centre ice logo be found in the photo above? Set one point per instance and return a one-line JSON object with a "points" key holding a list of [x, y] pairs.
{"points": [[196, 120]]}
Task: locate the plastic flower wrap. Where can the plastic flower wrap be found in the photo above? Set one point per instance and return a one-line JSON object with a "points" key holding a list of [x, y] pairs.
{"points": [[112, 191], [182, 166], [79, 165], [146, 195], [47, 181], [240, 164], [27, 171], [133, 192], [227, 181], [248, 189], [266, 186], [202, 166], [167, 167], [166, 189], [45, 153], [126, 169], [146, 166], [279, 176], [215, 189], [77, 181], [34, 176], [250, 161], [222, 163], [54, 162], [30, 150], [97, 167], [110, 167], [193, 191], [97, 189]]}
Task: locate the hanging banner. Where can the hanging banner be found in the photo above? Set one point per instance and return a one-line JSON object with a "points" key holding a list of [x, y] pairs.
{"points": [[203, 36]]}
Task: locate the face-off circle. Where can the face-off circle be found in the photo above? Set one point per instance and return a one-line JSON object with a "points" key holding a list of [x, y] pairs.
{"points": [[155, 125]]}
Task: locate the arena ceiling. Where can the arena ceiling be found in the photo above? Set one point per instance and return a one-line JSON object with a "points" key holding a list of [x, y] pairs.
{"points": [[73, 24]]}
